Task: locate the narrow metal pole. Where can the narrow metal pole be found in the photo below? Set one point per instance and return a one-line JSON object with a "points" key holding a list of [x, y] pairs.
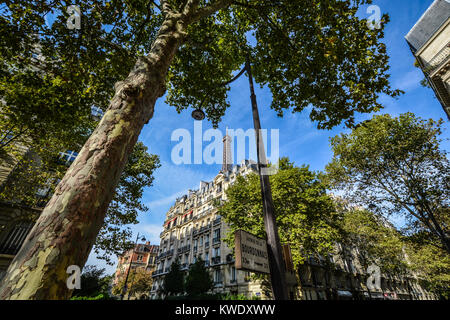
{"points": [[276, 263], [128, 272]]}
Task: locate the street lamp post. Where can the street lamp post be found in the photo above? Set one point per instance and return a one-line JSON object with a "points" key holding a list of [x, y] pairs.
{"points": [[275, 255], [128, 271]]}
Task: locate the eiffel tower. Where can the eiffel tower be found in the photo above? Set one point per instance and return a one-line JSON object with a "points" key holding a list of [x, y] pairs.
{"points": [[227, 161]]}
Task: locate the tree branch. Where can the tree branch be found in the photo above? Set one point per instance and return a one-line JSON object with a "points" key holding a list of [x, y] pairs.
{"points": [[210, 9], [156, 5]]}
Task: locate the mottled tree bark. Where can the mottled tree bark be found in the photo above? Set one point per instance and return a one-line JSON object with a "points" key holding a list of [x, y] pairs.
{"points": [[68, 226]]}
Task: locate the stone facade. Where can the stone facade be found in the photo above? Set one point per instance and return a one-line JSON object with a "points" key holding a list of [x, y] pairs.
{"points": [[15, 223], [16, 220], [143, 257], [193, 230], [343, 277]]}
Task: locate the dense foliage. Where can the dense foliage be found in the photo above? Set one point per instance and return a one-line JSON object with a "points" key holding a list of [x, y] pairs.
{"points": [[198, 280], [305, 214], [138, 286], [42, 169], [94, 284], [309, 53], [395, 165], [373, 240], [174, 280]]}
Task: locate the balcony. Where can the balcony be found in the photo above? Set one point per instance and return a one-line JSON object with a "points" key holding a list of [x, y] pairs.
{"points": [[15, 239], [157, 272], [165, 254], [204, 228], [215, 260], [217, 221], [216, 241], [206, 245], [184, 249], [438, 60], [206, 263]]}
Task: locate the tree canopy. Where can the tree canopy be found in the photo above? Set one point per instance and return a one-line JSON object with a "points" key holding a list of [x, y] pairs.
{"points": [[309, 53], [395, 166], [305, 214], [198, 280], [375, 241], [173, 283], [93, 282], [316, 53], [139, 284]]}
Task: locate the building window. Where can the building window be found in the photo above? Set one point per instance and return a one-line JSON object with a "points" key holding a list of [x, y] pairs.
{"points": [[217, 276], [96, 112], [233, 274], [68, 157], [217, 234]]}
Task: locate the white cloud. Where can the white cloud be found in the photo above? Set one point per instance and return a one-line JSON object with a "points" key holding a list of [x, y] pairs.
{"points": [[165, 201], [150, 232], [409, 81]]}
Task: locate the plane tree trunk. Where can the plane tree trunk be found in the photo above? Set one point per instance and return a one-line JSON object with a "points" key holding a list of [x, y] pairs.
{"points": [[68, 226]]}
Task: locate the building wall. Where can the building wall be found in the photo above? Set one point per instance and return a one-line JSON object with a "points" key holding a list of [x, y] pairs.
{"points": [[435, 44], [15, 223], [193, 229], [16, 218], [346, 279], [192, 222], [142, 257], [429, 40]]}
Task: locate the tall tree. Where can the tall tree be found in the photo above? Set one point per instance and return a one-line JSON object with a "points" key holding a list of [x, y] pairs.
{"points": [[375, 240], [432, 264], [317, 53], [198, 280], [306, 215], [174, 280], [394, 165], [139, 284]]}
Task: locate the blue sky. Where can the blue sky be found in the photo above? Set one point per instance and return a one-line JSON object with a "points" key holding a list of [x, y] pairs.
{"points": [[299, 139]]}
